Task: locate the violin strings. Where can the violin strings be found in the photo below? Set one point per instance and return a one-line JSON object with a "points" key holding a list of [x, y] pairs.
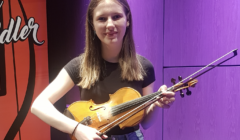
{"points": [[125, 106], [141, 107], [129, 113], [118, 108]]}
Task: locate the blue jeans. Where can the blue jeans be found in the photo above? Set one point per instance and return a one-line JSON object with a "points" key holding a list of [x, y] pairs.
{"points": [[136, 135]]}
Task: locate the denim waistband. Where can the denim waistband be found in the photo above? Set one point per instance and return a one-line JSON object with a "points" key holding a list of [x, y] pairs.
{"points": [[136, 135]]}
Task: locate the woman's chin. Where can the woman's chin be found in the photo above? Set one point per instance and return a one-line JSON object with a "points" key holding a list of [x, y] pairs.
{"points": [[111, 41]]}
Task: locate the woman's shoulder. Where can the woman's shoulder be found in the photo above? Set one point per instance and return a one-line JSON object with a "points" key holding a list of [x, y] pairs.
{"points": [[75, 62], [73, 68], [149, 70], [144, 61]]}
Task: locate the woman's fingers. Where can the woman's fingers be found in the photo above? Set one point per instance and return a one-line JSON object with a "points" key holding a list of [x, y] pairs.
{"points": [[168, 94], [103, 136], [167, 100], [162, 105], [163, 88], [168, 97]]}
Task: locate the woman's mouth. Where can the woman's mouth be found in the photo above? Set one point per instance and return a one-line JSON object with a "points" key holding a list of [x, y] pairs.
{"points": [[111, 34]]}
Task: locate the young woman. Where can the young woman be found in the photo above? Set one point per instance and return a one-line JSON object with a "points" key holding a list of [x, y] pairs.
{"points": [[108, 64]]}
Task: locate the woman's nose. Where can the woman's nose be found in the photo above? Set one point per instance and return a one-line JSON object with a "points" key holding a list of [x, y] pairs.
{"points": [[110, 24]]}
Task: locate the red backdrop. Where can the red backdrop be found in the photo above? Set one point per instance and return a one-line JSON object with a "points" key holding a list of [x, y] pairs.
{"points": [[26, 72]]}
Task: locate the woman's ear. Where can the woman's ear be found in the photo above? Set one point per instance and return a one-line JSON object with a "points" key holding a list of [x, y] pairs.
{"points": [[128, 23]]}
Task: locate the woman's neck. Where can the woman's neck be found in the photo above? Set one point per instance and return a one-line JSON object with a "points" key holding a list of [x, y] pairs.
{"points": [[111, 53]]}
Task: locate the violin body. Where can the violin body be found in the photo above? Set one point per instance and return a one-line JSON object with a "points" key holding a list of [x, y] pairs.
{"points": [[100, 116]]}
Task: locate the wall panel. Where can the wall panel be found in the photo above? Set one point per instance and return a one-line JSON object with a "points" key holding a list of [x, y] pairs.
{"points": [[211, 112], [148, 35], [199, 31]]}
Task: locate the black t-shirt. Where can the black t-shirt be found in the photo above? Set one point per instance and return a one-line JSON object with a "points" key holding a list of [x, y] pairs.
{"points": [[109, 84]]}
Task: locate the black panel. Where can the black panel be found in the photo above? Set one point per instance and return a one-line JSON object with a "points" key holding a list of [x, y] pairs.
{"points": [[66, 39]]}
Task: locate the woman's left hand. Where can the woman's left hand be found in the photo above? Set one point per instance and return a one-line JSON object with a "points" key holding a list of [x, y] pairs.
{"points": [[168, 98], [151, 113]]}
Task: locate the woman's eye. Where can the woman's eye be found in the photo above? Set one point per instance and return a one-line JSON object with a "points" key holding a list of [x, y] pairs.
{"points": [[116, 17], [101, 19]]}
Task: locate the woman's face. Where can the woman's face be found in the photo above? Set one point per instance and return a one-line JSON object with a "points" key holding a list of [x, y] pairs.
{"points": [[110, 22]]}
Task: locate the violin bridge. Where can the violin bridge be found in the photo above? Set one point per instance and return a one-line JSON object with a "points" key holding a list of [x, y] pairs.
{"points": [[99, 118]]}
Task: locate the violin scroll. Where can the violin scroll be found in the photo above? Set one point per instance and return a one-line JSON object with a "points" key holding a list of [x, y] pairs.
{"points": [[180, 86]]}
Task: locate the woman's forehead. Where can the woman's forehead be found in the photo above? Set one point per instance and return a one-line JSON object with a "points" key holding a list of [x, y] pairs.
{"points": [[108, 6]]}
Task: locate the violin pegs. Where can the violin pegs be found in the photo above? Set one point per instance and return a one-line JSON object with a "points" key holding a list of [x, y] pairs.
{"points": [[180, 78], [173, 81], [188, 92], [182, 94]]}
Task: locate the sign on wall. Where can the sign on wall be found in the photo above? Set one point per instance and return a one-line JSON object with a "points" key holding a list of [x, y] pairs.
{"points": [[23, 68]]}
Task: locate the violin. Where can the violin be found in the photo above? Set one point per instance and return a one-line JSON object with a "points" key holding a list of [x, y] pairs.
{"points": [[125, 107]]}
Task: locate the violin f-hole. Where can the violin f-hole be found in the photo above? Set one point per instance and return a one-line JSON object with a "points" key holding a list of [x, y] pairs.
{"points": [[90, 108]]}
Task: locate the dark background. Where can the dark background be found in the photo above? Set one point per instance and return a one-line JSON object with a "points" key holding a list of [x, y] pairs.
{"points": [[65, 25]]}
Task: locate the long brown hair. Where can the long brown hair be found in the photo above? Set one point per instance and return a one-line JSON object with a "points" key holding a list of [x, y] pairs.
{"points": [[91, 59]]}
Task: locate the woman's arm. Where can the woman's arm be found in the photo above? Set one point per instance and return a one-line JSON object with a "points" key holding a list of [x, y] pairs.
{"points": [[151, 113], [43, 108]]}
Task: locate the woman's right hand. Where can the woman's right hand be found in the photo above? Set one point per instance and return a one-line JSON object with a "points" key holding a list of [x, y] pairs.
{"points": [[87, 133]]}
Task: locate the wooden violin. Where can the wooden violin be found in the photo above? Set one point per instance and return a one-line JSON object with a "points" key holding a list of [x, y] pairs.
{"points": [[125, 107]]}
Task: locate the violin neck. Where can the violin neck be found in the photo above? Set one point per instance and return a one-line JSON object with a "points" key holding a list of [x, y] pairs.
{"points": [[132, 104]]}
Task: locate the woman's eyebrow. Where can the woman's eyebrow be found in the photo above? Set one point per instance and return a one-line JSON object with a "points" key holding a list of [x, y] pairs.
{"points": [[115, 13]]}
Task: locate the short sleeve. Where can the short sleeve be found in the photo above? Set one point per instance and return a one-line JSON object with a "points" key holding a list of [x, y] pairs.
{"points": [[149, 69], [72, 69]]}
